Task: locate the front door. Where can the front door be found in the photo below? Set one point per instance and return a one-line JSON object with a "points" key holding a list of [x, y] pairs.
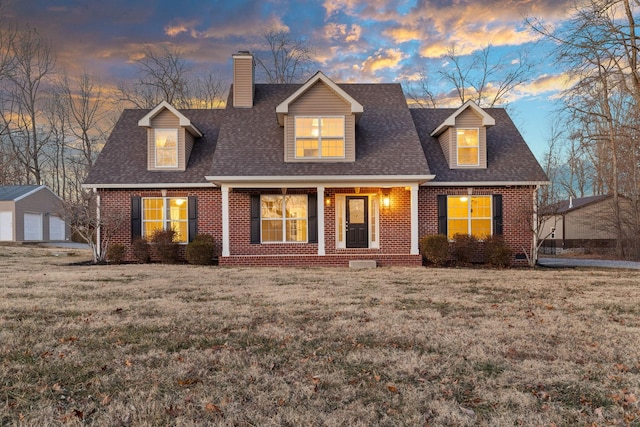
{"points": [[357, 224]]}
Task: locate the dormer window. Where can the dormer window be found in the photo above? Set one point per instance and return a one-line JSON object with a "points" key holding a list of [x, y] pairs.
{"points": [[166, 144], [319, 137], [463, 137], [170, 138], [468, 147]]}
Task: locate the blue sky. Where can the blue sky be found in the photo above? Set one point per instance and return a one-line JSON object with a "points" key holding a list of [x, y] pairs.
{"points": [[353, 40]]}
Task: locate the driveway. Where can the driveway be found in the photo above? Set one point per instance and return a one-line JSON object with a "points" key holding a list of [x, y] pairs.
{"points": [[580, 262]]}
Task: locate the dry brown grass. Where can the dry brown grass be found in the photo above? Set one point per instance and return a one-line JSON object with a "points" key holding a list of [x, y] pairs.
{"points": [[190, 345]]}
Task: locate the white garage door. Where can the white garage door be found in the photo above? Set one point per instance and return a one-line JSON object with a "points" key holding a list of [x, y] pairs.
{"points": [[32, 226], [56, 228], [6, 226]]}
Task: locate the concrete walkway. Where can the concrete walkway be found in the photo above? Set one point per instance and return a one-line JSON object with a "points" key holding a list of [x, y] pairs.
{"points": [[586, 263]]}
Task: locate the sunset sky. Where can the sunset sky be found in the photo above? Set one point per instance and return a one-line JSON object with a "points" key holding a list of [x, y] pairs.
{"points": [[353, 40]]}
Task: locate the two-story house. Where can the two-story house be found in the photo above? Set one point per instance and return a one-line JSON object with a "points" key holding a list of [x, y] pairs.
{"points": [[317, 173]]}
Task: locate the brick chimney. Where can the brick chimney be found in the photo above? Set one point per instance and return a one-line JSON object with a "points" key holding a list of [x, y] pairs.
{"points": [[243, 79]]}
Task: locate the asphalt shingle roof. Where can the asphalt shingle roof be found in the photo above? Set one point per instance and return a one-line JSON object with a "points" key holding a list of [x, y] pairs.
{"points": [[123, 159], [12, 192], [391, 139], [251, 142], [508, 156]]}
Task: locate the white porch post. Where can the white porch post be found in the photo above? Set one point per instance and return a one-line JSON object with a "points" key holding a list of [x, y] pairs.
{"points": [[414, 220], [320, 198], [98, 250], [225, 220]]}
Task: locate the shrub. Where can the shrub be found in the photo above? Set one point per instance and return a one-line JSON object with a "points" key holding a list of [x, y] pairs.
{"points": [[141, 250], [166, 249], [464, 247], [435, 248], [201, 250], [497, 252], [115, 253]]}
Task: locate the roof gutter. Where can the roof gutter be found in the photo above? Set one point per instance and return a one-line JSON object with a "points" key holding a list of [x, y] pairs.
{"points": [[151, 185], [307, 181], [483, 183]]}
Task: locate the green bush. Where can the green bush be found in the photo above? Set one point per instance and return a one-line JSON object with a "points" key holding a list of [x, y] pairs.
{"points": [[464, 247], [164, 246], [497, 252], [435, 249], [201, 250], [115, 253], [141, 250]]}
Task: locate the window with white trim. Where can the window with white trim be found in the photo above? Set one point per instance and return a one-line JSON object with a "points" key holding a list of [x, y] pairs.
{"points": [[166, 146], [468, 146], [283, 218], [319, 137], [165, 213], [469, 215]]}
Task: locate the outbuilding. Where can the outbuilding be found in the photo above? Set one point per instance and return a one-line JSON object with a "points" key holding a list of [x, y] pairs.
{"points": [[31, 213]]}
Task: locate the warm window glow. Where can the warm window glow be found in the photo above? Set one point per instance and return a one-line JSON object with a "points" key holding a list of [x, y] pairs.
{"points": [[166, 143], [319, 137], [468, 147], [283, 218], [160, 213], [469, 215]]}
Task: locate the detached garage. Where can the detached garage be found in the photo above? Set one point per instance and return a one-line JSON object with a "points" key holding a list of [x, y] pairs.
{"points": [[31, 213]]}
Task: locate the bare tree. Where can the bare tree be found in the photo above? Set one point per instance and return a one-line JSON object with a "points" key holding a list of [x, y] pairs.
{"points": [[286, 59], [209, 91], [598, 46], [85, 106], [421, 91], [162, 75], [93, 226], [477, 77], [33, 62]]}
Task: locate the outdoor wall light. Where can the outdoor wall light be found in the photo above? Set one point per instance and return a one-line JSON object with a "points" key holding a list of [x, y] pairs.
{"points": [[386, 202], [327, 201]]}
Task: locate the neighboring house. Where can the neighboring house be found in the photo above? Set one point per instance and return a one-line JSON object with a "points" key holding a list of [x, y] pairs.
{"points": [[31, 213], [317, 173], [583, 222]]}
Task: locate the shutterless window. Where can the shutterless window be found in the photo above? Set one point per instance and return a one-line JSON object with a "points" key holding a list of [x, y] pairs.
{"points": [[319, 137], [165, 213], [166, 143], [283, 218], [469, 215], [468, 147]]}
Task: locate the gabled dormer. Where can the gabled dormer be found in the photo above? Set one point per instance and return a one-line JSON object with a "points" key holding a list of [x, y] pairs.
{"points": [[463, 137], [170, 138], [319, 121]]}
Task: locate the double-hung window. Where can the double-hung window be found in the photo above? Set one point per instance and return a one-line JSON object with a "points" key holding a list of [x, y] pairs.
{"points": [[469, 215], [319, 137], [165, 213], [283, 218], [166, 144], [468, 147]]}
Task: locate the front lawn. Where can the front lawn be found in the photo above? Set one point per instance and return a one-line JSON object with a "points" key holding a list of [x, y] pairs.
{"points": [[188, 345]]}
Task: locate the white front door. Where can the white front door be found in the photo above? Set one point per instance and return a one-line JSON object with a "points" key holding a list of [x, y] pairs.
{"points": [[6, 226], [56, 228], [33, 226]]}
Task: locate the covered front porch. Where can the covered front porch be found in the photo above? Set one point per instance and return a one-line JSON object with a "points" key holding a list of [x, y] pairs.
{"points": [[302, 223]]}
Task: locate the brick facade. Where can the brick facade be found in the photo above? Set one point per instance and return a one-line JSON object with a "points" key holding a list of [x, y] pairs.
{"points": [[517, 212], [117, 205], [394, 224]]}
